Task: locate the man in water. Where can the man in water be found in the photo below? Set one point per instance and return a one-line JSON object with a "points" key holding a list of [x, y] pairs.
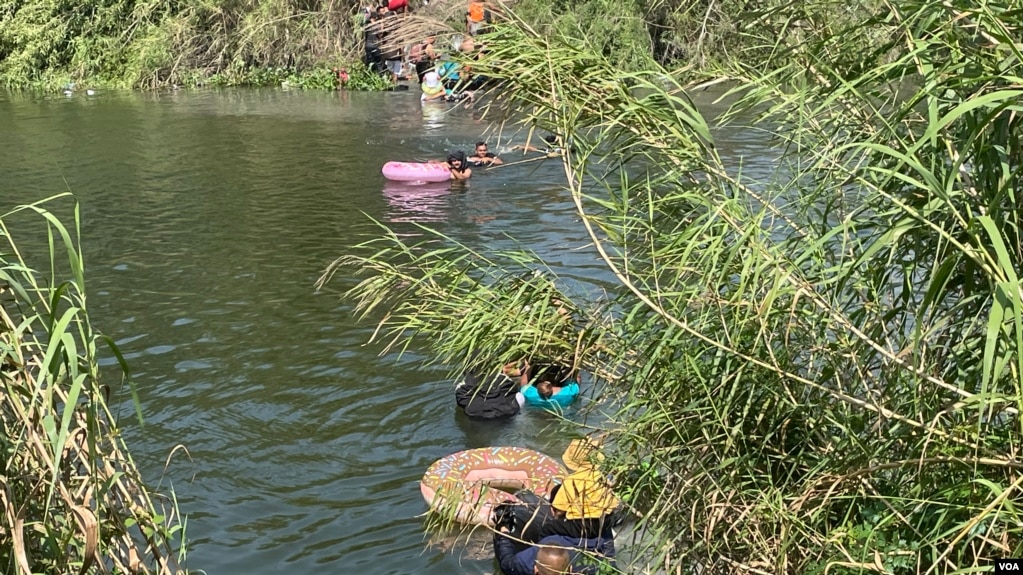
{"points": [[553, 555], [483, 158], [458, 166]]}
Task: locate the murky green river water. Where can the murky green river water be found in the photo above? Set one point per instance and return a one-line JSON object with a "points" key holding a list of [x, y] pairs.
{"points": [[207, 218]]}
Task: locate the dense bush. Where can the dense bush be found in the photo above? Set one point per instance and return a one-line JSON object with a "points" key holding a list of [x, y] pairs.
{"points": [[151, 43], [818, 372], [157, 42]]}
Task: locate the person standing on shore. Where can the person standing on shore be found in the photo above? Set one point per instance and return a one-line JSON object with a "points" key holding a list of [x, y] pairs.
{"points": [[475, 16], [423, 56], [372, 37]]}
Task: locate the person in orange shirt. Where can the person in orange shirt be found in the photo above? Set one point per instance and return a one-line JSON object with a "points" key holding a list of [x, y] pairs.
{"points": [[475, 16]]}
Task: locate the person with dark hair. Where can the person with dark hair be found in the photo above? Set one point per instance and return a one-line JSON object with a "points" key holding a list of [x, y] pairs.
{"points": [[423, 56], [389, 46], [459, 166], [553, 148], [372, 36], [483, 157], [551, 386]]}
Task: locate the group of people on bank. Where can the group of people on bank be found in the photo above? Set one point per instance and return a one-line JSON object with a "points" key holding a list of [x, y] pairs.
{"points": [[388, 53], [442, 79]]}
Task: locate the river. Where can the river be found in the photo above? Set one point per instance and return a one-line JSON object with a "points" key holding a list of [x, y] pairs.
{"points": [[207, 218]]}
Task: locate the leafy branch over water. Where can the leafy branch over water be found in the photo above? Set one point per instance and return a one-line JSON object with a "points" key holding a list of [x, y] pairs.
{"points": [[816, 373]]}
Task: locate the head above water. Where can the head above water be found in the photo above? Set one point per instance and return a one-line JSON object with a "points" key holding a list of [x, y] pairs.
{"points": [[551, 561], [456, 159], [545, 389], [481, 148]]}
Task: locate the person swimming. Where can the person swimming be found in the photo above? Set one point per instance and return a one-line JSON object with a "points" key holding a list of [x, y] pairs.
{"points": [[458, 165], [553, 148], [483, 157]]}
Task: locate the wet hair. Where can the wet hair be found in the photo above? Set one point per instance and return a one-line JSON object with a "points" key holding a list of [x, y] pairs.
{"points": [[551, 138], [545, 389], [478, 144], [457, 155]]}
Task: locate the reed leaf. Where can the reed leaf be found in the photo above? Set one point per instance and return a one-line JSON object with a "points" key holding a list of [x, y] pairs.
{"points": [[816, 372], [74, 500]]}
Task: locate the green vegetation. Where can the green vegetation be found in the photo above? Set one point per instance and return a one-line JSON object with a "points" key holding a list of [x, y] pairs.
{"points": [[817, 373], [71, 499], [154, 43], [147, 44]]}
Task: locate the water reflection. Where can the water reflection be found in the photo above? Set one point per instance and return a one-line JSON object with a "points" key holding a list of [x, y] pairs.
{"points": [[417, 202], [207, 217], [434, 114]]}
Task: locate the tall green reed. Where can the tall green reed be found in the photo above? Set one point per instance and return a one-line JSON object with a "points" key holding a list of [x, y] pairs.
{"points": [[73, 499], [816, 372]]}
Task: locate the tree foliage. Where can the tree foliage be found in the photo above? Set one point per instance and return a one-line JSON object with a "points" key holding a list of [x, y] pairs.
{"points": [[150, 43]]}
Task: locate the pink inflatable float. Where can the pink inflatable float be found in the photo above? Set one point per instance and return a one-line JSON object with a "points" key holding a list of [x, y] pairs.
{"points": [[416, 172], [469, 483]]}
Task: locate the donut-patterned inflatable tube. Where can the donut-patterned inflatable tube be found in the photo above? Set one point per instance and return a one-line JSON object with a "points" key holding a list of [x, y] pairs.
{"points": [[470, 483]]}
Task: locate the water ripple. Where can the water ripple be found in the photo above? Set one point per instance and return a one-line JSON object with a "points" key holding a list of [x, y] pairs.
{"points": [[207, 218]]}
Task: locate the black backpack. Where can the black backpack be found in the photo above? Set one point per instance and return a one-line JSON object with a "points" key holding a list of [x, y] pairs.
{"points": [[487, 398]]}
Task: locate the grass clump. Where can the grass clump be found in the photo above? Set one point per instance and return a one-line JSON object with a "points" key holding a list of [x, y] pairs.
{"points": [[72, 498]]}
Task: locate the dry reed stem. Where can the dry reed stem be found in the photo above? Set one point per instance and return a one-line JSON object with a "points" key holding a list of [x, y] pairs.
{"points": [[81, 472]]}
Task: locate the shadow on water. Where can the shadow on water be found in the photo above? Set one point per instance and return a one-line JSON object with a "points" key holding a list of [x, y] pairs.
{"points": [[207, 218]]}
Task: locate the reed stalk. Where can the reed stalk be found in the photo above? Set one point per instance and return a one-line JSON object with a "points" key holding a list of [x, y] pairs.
{"points": [[817, 371], [72, 497]]}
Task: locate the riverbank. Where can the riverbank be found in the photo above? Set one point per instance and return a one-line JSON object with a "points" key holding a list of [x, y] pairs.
{"points": [[122, 44]]}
